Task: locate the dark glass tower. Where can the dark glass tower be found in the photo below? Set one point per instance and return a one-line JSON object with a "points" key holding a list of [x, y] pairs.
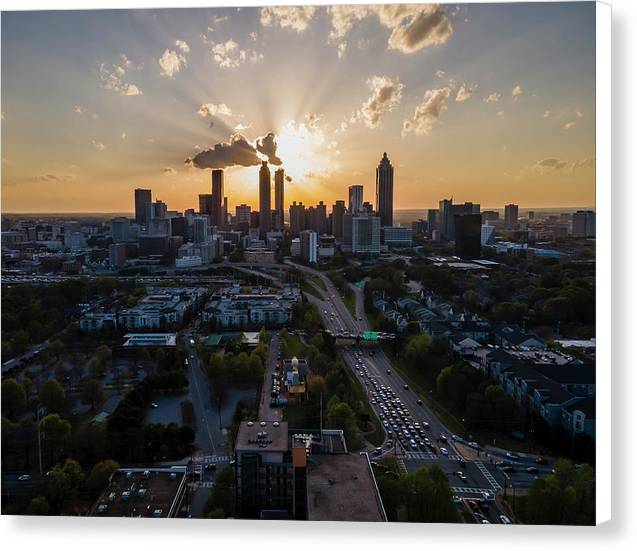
{"points": [[385, 191]]}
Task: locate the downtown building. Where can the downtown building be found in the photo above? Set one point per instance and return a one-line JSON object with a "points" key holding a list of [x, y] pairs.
{"points": [[385, 191], [265, 208]]}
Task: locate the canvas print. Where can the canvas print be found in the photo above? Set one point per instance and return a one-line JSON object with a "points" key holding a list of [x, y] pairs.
{"points": [[325, 263]]}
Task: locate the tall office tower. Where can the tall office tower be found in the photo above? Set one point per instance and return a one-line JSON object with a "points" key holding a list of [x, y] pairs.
{"points": [[348, 217], [279, 194], [225, 211], [142, 197], [179, 227], [120, 228], [432, 220], [216, 215], [117, 255], [200, 229], [309, 246], [445, 218], [531, 215], [297, 218], [490, 215], [511, 216], [205, 203], [385, 191], [366, 234], [311, 221], [338, 211], [242, 213], [321, 218], [160, 209], [468, 235], [265, 216], [355, 198], [583, 223], [368, 208], [254, 219]]}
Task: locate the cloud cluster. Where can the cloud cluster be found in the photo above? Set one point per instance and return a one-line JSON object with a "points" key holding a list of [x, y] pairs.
{"points": [[172, 61], [569, 125], [552, 164], [517, 91], [229, 55], [211, 110], [237, 152], [494, 97], [413, 26], [99, 146], [386, 94], [112, 77], [296, 18], [464, 92], [428, 112], [169, 171]]}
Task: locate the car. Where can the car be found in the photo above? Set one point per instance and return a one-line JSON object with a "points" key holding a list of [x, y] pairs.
{"points": [[488, 496], [389, 372], [532, 470], [154, 405], [406, 387], [379, 450], [192, 341], [442, 438], [508, 469], [24, 477], [457, 500], [505, 520], [541, 461], [444, 451], [485, 521], [462, 476], [419, 402], [211, 467], [474, 445], [512, 455], [462, 462], [425, 425]]}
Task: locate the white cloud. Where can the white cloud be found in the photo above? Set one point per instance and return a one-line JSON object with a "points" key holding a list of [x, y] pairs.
{"points": [[123, 135], [296, 18], [493, 97], [500, 113], [546, 114], [229, 55], [550, 164], [440, 73], [584, 163], [465, 92], [517, 91], [240, 127], [183, 46], [578, 114], [77, 109], [172, 61], [212, 110], [112, 77], [413, 26], [98, 145], [428, 112], [569, 125], [386, 94]]}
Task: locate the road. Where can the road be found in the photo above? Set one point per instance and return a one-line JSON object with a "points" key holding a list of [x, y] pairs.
{"points": [[267, 413]]}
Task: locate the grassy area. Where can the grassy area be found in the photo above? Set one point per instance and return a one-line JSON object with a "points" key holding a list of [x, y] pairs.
{"points": [[307, 288], [319, 281], [350, 302]]}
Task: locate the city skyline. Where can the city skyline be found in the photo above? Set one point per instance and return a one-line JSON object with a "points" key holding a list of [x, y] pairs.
{"points": [[513, 123]]}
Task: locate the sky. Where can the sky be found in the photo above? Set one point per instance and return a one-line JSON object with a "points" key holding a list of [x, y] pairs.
{"points": [[490, 103]]}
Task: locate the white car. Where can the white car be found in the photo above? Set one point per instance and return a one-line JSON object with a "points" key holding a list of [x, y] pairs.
{"points": [[444, 451], [24, 477], [505, 520]]}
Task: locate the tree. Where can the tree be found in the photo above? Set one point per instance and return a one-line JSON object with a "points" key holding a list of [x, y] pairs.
{"points": [[100, 473], [57, 348], [64, 481], [93, 393], [341, 416], [13, 397], [38, 506], [221, 501], [52, 396], [418, 348], [55, 431]]}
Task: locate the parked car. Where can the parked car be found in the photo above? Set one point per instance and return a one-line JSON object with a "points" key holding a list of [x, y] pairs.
{"points": [[505, 520], [24, 477]]}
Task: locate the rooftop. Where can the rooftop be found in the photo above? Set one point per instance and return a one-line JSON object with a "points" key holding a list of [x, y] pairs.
{"points": [[342, 487], [141, 492], [262, 436]]}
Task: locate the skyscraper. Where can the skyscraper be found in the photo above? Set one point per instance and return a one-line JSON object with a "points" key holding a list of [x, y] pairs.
{"points": [[279, 183], [205, 203], [142, 197], [355, 198], [309, 246], [338, 211], [216, 214], [200, 231], [468, 231], [297, 218], [366, 234], [265, 209], [445, 219], [242, 213], [120, 228], [385, 191], [511, 216], [583, 223]]}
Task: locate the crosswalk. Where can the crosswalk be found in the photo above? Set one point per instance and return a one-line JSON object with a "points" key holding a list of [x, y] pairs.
{"points": [[490, 479], [428, 456], [466, 490], [401, 466], [206, 484], [207, 459]]}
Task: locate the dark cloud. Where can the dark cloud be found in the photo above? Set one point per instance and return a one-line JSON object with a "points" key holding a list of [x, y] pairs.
{"points": [[237, 152], [267, 146], [288, 178]]}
